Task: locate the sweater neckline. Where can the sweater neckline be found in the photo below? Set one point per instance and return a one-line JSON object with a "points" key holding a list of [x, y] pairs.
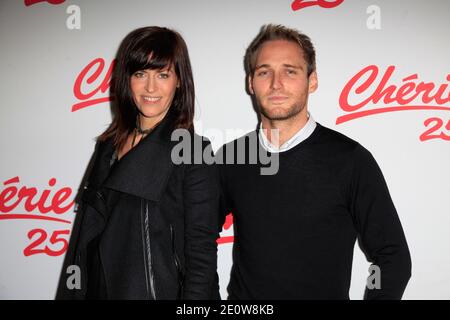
{"points": [[307, 141]]}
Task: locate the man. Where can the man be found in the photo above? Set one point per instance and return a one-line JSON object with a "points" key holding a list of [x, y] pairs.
{"points": [[295, 230]]}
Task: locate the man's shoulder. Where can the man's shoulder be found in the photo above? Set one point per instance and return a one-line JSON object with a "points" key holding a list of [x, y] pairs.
{"points": [[338, 144], [240, 150], [335, 137], [247, 140], [335, 141], [249, 136]]}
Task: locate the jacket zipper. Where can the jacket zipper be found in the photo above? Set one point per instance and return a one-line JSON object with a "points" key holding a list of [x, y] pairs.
{"points": [[177, 263], [149, 275]]}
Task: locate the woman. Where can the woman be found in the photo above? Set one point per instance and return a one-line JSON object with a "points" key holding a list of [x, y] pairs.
{"points": [[146, 228]]}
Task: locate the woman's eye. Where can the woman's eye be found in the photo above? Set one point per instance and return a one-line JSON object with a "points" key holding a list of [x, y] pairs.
{"points": [[164, 75], [139, 74]]}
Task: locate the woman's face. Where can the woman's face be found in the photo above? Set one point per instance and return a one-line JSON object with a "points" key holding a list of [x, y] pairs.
{"points": [[153, 92]]}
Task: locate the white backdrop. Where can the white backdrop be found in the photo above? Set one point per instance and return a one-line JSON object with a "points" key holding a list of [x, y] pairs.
{"points": [[46, 140]]}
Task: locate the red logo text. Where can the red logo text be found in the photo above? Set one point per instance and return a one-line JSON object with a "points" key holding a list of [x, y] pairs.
{"points": [[31, 2], [300, 4], [46, 205], [226, 226], [92, 81], [369, 93]]}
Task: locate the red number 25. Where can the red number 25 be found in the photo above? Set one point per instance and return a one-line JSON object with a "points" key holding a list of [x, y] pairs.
{"points": [[57, 237]]}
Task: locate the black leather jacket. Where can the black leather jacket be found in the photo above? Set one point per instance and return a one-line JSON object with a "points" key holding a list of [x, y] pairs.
{"points": [[145, 227]]}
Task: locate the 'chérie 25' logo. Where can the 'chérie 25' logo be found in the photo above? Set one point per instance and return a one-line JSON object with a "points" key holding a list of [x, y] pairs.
{"points": [[372, 92], [52, 204]]}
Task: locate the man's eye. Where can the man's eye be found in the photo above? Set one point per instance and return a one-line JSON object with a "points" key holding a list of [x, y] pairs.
{"points": [[291, 72], [262, 73]]}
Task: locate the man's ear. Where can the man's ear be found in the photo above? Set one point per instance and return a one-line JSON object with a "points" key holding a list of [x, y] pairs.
{"points": [[313, 82], [250, 86]]}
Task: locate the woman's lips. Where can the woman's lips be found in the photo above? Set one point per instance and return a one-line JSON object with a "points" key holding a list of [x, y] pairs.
{"points": [[148, 99]]}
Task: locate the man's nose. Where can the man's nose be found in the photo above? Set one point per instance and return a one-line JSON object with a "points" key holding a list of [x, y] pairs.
{"points": [[276, 81]]}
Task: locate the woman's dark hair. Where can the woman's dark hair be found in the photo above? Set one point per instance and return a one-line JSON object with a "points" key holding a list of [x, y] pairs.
{"points": [[149, 48]]}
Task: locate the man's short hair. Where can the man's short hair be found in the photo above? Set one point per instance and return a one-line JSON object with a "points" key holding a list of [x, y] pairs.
{"points": [[271, 32]]}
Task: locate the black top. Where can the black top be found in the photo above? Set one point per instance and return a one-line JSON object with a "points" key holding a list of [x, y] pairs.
{"points": [[295, 231]]}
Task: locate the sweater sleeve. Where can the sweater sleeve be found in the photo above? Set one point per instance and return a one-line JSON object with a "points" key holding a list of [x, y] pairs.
{"points": [[380, 234]]}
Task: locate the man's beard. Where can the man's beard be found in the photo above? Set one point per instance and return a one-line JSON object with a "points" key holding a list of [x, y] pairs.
{"points": [[280, 114]]}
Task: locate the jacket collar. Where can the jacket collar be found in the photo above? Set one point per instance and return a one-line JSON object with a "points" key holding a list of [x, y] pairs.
{"points": [[144, 171]]}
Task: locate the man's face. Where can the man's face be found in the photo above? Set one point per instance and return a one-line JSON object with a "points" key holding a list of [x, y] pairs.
{"points": [[280, 82]]}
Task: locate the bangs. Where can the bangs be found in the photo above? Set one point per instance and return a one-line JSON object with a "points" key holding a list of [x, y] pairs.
{"points": [[155, 54], [149, 48]]}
